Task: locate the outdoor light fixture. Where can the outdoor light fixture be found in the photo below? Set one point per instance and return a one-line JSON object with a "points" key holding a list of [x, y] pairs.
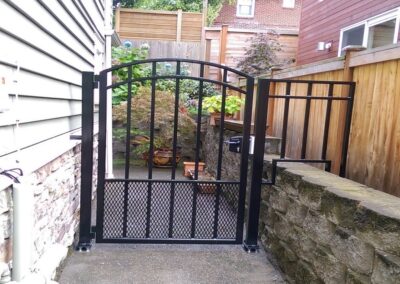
{"points": [[322, 45]]}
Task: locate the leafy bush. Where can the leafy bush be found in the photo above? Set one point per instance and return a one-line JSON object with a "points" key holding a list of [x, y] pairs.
{"points": [[121, 55], [214, 104], [163, 123]]}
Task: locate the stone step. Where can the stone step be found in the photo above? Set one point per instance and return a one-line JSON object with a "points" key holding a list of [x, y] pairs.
{"points": [[272, 145]]}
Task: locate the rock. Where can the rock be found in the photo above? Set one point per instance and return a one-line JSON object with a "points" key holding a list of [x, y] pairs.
{"points": [[352, 252], [355, 278], [381, 231], [318, 228], [278, 200], [386, 269], [327, 267], [296, 212], [305, 274], [310, 194]]}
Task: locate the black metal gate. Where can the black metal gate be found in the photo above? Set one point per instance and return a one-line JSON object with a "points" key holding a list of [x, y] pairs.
{"points": [[151, 210], [173, 210]]}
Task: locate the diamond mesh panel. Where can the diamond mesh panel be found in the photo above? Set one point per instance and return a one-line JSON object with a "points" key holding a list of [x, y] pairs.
{"points": [[159, 217], [137, 207], [228, 212], [183, 201], [160, 199], [113, 209]]}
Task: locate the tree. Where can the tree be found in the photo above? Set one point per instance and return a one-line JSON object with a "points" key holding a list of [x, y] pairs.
{"points": [[260, 56]]}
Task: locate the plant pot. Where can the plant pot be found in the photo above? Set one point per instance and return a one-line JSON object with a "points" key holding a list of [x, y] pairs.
{"points": [[217, 116], [188, 166], [163, 158]]}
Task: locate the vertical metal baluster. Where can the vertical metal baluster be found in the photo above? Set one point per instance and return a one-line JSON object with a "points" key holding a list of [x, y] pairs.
{"points": [[127, 152], [244, 159], [220, 149], [327, 122], [250, 243], [197, 156], [306, 121], [101, 156], [87, 160], [174, 147], [198, 131], [285, 120], [346, 136], [151, 149]]}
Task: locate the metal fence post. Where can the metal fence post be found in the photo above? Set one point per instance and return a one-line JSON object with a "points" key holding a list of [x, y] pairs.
{"points": [[250, 243], [85, 237]]}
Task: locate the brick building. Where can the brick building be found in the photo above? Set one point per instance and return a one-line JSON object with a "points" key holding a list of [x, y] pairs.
{"points": [[261, 15]]}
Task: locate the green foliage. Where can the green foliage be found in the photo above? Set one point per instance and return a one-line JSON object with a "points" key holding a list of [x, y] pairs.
{"points": [[163, 120], [214, 104], [214, 6], [121, 55], [260, 56]]}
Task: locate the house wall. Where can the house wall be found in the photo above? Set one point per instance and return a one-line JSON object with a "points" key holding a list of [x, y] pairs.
{"points": [[45, 45], [323, 20], [267, 14]]}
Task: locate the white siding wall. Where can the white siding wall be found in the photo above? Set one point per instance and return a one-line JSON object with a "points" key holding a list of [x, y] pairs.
{"points": [[51, 41]]}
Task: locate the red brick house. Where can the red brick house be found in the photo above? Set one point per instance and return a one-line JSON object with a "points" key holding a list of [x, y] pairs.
{"points": [[261, 15], [339, 23], [246, 18]]}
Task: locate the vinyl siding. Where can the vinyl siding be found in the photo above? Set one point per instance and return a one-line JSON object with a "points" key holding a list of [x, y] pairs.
{"points": [[322, 21], [52, 42]]}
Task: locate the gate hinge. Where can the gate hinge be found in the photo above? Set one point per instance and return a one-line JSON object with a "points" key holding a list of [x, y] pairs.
{"points": [[96, 79], [93, 232]]}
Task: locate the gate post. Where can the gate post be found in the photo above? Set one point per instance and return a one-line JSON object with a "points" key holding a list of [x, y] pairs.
{"points": [[250, 243], [85, 237]]}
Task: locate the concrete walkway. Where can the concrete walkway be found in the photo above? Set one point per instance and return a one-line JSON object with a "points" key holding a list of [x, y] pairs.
{"points": [[208, 264]]}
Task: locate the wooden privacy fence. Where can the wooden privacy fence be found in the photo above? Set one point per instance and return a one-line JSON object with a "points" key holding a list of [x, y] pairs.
{"points": [[158, 25], [374, 150], [227, 46]]}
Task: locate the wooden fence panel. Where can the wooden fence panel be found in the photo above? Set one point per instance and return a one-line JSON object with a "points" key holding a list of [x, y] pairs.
{"points": [[237, 41], [374, 152], [316, 120], [159, 25], [374, 148]]}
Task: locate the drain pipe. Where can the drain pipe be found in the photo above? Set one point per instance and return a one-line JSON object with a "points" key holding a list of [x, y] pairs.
{"points": [[22, 231], [5, 273]]}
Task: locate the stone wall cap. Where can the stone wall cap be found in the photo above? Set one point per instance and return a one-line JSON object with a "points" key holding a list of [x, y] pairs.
{"points": [[369, 198]]}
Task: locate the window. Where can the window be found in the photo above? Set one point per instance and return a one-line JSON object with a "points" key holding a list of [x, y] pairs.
{"points": [[288, 3], [245, 8], [374, 32]]}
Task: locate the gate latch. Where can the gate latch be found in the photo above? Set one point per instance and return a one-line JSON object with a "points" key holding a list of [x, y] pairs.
{"points": [[235, 144]]}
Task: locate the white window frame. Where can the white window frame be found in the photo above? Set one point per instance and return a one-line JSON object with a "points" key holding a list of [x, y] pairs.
{"points": [[245, 16], [288, 3], [373, 21]]}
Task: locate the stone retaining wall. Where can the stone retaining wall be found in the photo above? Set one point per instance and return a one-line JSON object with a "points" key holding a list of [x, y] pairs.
{"points": [[56, 189], [325, 229], [318, 227]]}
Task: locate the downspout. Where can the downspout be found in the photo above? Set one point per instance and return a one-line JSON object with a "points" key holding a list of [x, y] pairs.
{"points": [[22, 231]]}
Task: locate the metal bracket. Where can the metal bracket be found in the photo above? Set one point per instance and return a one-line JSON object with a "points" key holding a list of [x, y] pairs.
{"points": [[75, 137], [251, 248], [84, 247]]}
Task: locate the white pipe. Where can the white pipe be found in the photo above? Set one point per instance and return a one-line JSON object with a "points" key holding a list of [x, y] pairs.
{"points": [[108, 34], [22, 231], [5, 274]]}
